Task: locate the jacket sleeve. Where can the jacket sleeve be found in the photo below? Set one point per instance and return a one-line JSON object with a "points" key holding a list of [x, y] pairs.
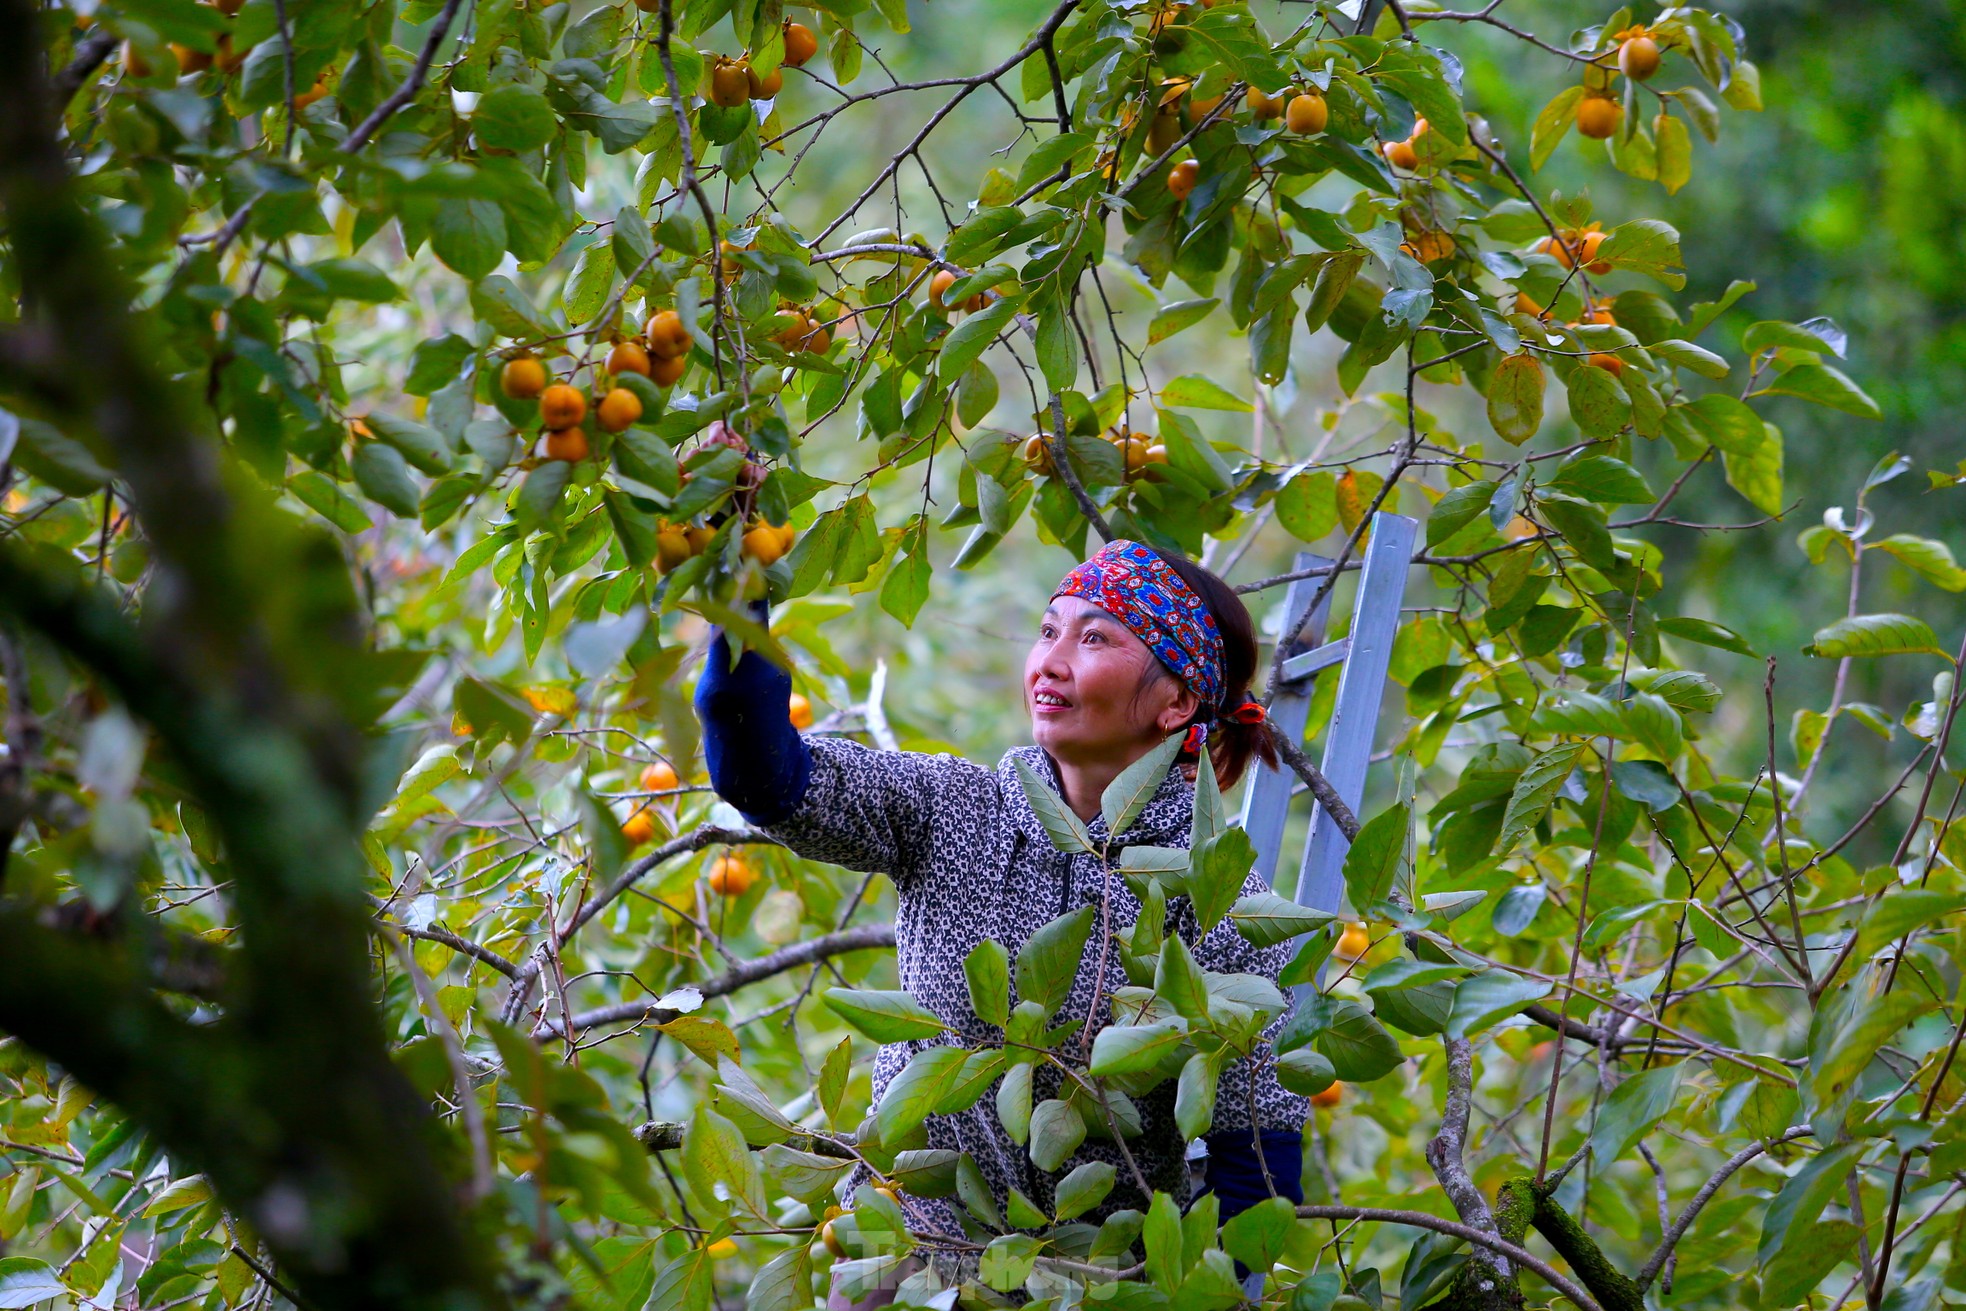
{"points": [[879, 811], [1222, 950]]}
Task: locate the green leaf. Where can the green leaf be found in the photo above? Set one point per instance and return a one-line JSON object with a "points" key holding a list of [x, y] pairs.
{"points": [[1805, 1260], [1552, 124], [1757, 476], [1605, 480], [26, 1282], [1170, 319], [541, 493], [1048, 963], [1305, 1072], [1256, 1236], [1057, 350], [1633, 1107], [783, 1283], [1057, 1129], [1930, 559], [354, 279], [422, 445], [1014, 1104], [718, 1164], [1825, 386], [1489, 998], [1267, 919], [905, 589], [1515, 398], [1686, 355], [802, 1174], [1706, 633], [1533, 793], [1084, 1188], [501, 306], [1646, 246], [1307, 506], [1460, 507], [987, 968], [1067, 830], [1803, 1196], [1194, 1095], [1126, 796], [1135, 1048], [1901, 911], [1357, 1045], [1222, 863], [1875, 635], [968, 339], [1162, 1240], [1727, 423], [588, 285], [1191, 391], [1378, 858], [913, 1093], [384, 478], [469, 236], [1597, 402], [884, 1016], [319, 493], [1675, 152], [1875, 1022], [514, 117], [1178, 981]]}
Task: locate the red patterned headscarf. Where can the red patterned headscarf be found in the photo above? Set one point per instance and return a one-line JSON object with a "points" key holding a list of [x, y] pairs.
{"points": [[1134, 585]]}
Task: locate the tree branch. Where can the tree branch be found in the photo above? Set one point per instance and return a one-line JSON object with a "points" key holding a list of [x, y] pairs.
{"points": [[1421, 1220], [1056, 442], [88, 55], [864, 938], [1446, 1150], [707, 835], [667, 1136], [1607, 1283]]}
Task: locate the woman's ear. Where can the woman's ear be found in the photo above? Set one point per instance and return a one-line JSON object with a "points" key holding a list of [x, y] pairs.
{"points": [[1179, 712]]}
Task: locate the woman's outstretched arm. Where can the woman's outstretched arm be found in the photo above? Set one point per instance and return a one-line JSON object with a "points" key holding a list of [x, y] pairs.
{"points": [[757, 760], [827, 798]]}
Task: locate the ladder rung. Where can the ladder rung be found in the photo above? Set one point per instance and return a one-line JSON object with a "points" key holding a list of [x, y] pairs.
{"points": [[1309, 662]]}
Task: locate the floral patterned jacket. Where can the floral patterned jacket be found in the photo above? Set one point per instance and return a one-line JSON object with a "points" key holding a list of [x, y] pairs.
{"points": [[970, 860]]}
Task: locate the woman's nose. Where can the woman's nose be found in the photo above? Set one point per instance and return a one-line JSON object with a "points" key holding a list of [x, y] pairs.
{"points": [[1051, 660]]}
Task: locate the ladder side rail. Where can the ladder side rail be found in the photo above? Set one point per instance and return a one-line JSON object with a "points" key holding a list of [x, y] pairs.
{"points": [[1266, 801], [1361, 689]]}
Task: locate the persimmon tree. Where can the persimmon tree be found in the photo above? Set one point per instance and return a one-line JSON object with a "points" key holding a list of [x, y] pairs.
{"points": [[393, 391]]}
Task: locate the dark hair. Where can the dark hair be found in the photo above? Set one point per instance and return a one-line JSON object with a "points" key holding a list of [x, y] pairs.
{"points": [[1231, 746]]}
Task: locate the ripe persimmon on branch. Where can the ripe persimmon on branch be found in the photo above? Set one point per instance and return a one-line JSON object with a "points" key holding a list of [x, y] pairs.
{"points": [[534, 338]]}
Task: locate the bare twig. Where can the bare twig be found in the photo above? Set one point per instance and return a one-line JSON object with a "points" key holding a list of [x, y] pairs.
{"points": [[412, 84], [864, 938], [1673, 1234]]}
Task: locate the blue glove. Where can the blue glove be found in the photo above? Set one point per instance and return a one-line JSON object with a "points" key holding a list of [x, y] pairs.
{"points": [[1236, 1178], [757, 760]]}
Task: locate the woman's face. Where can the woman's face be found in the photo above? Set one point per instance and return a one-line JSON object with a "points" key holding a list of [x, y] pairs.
{"points": [[1082, 688]]}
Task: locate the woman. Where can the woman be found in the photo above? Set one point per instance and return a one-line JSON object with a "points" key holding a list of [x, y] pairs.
{"points": [[1136, 644]]}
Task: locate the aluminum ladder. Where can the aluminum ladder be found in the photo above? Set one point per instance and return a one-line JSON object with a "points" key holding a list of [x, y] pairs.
{"points": [[1362, 658]]}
